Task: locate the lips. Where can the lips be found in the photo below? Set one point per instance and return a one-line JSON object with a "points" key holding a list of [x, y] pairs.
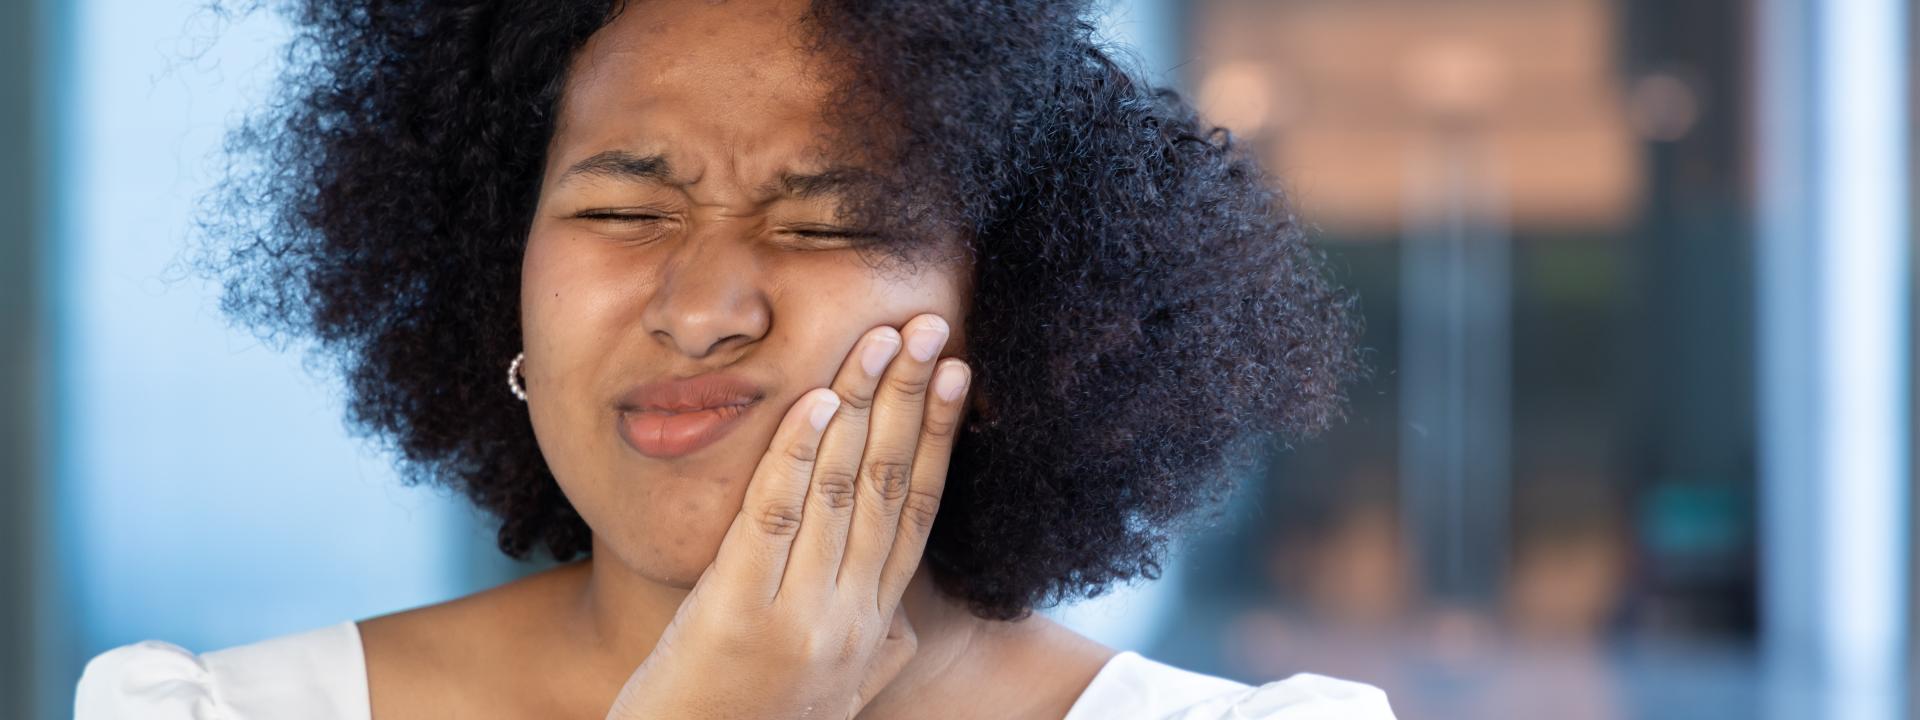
{"points": [[673, 418]]}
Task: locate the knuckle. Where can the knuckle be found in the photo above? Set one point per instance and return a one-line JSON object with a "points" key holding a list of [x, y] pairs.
{"points": [[834, 648], [889, 477], [785, 644], [920, 509], [778, 519], [854, 400], [831, 648], [941, 426], [835, 486], [907, 383], [850, 647], [800, 455]]}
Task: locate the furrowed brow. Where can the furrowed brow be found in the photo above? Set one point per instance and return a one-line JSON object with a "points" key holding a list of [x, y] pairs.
{"points": [[620, 165], [804, 186]]}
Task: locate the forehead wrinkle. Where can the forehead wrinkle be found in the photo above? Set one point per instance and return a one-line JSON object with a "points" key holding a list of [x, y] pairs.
{"points": [[799, 185], [622, 165], [793, 177], [663, 75]]}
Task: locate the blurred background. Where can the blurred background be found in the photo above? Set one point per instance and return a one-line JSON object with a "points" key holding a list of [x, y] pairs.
{"points": [[1637, 279]]}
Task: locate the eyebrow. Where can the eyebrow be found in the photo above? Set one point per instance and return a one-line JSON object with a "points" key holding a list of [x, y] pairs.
{"points": [[624, 165], [620, 165], [811, 185]]}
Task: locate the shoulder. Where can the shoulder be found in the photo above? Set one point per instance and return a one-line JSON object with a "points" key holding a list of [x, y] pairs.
{"points": [[1134, 686], [463, 657], [317, 674]]}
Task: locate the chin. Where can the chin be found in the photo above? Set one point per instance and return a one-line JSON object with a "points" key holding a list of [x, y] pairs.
{"points": [[665, 521], [667, 547]]}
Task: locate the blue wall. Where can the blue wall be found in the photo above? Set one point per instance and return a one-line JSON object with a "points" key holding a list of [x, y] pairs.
{"points": [[204, 490]]}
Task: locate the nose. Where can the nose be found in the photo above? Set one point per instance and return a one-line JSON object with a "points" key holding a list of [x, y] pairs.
{"points": [[709, 298]]}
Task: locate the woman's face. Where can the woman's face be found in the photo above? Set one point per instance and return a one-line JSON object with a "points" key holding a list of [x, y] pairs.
{"points": [[684, 229]]}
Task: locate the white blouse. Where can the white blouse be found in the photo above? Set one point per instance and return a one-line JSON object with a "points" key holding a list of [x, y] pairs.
{"points": [[322, 674]]}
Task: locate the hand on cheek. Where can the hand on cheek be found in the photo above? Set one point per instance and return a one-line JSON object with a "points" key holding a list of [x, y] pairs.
{"points": [[798, 614]]}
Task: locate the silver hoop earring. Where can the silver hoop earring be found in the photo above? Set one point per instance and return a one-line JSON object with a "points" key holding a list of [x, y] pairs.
{"points": [[513, 377]]}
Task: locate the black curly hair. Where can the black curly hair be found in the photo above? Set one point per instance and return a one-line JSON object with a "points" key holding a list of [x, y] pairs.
{"points": [[1146, 310]]}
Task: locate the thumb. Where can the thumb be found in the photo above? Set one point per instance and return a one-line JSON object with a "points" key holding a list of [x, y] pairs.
{"points": [[893, 654]]}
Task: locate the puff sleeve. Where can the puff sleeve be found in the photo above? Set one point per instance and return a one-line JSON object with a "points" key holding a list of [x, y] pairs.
{"points": [[315, 675], [1134, 687], [1305, 696], [149, 679]]}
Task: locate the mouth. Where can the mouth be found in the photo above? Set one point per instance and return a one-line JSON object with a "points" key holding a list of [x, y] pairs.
{"points": [[667, 435], [675, 418]]}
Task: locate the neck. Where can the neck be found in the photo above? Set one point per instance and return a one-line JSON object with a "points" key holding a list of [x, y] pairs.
{"points": [[951, 643], [619, 611], [621, 614]]}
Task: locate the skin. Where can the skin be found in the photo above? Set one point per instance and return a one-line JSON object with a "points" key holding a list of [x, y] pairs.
{"points": [[698, 260]]}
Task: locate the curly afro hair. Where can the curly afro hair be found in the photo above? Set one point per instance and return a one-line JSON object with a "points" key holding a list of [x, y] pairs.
{"points": [[1146, 311]]}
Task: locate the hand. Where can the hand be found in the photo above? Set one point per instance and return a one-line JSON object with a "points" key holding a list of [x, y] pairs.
{"points": [[798, 617]]}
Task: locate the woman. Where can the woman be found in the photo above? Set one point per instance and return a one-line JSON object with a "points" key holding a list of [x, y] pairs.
{"points": [[846, 332]]}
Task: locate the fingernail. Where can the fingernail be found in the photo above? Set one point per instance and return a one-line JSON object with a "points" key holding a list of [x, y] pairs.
{"points": [[951, 382], [823, 410], [927, 341], [879, 350]]}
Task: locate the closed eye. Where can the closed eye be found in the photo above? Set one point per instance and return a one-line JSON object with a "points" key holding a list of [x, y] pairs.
{"points": [[619, 215], [828, 232]]}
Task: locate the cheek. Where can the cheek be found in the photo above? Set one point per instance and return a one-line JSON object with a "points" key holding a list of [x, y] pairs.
{"points": [[575, 296], [564, 284], [895, 297], [569, 303], [825, 308]]}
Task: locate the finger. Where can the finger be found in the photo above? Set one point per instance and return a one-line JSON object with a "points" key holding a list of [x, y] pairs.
{"points": [[815, 561], [886, 470], [753, 555], [930, 465]]}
